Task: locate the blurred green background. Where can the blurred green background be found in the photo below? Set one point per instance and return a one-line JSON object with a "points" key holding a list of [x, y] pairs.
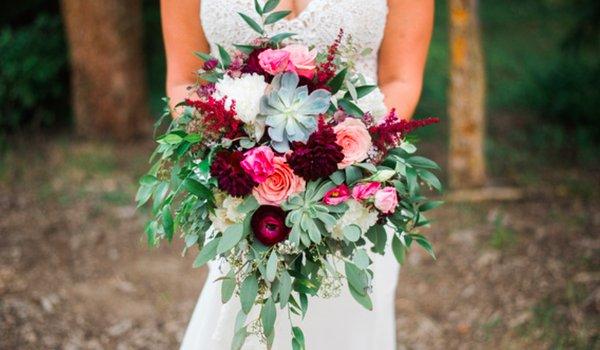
{"points": [[518, 274]]}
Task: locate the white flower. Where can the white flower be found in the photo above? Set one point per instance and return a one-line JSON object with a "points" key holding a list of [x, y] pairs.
{"points": [[226, 214], [246, 91], [358, 215], [374, 103]]}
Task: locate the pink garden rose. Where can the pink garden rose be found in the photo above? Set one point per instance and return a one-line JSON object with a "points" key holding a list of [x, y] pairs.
{"points": [[337, 195], [274, 61], [386, 200], [258, 163], [302, 61], [353, 136], [363, 191], [280, 185]]}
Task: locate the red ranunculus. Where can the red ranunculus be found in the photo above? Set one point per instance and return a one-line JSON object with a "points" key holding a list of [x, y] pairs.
{"points": [[268, 225]]}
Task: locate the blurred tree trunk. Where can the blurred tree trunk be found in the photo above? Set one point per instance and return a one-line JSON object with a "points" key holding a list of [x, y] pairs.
{"points": [[466, 97], [107, 64]]}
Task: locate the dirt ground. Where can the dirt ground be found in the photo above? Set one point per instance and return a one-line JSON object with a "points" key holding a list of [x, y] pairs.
{"points": [[75, 272]]}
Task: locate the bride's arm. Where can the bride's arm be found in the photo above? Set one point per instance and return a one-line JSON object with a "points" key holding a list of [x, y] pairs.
{"points": [[182, 34], [403, 53]]}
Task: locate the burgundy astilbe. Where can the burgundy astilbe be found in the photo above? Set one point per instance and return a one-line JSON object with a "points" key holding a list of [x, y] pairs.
{"points": [[217, 120], [326, 70], [230, 175], [393, 129], [320, 155]]}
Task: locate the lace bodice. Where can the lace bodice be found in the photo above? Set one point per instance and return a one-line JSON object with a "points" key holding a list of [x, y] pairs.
{"points": [[318, 25]]}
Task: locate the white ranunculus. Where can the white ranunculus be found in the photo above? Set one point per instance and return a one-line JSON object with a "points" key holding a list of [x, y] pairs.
{"points": [[357, 214], [226, 214], [374, 103], [246, 91]]}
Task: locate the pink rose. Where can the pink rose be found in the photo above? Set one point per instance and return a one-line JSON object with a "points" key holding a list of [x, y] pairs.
{"points": [[258, 163], [353, 136], [280, 185], [274, 61], [363, 191], [302, 60], [386, 200], [337, 195]]}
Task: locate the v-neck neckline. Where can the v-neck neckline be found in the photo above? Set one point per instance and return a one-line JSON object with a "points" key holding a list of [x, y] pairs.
{"points": [[300, 14]]}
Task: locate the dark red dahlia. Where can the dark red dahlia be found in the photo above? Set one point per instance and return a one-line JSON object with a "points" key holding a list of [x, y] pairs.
{"points": [[268, 225], [253, 63], [320, 155], [231, 178]]}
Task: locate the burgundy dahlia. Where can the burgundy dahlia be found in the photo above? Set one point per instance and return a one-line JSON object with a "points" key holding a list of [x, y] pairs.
{"points": [[231, 178], [268, 225], [320, 155]]}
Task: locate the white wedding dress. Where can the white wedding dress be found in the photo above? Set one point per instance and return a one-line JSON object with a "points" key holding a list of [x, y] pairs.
{"points": [[336, 323]]}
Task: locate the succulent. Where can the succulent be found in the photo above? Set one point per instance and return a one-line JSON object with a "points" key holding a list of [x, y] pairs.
{"points": [[290, 111]]}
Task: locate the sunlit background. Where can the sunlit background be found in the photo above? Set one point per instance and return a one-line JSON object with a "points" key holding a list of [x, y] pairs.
{"points": [[518, 252]]}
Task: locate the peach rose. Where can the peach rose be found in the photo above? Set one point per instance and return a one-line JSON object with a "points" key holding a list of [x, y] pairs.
{"points": [[353, 136], [302, 60], [280, 185]]}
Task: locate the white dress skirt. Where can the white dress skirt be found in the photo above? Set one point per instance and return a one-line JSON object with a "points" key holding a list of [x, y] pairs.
{"points": [[336, 323]]}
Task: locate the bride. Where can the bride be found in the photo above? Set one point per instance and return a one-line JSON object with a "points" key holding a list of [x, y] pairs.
{"points": [[398, 32]]}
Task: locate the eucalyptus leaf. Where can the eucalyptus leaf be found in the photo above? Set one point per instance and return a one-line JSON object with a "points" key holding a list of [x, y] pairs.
{"points": [[398, 249], [285, 288], [267, 316], [207, 253], [232, 235], [167, 221], [248, 292], [272, 267], [228, 287], [352, 233]]}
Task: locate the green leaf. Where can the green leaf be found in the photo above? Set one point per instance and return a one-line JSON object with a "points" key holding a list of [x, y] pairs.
{"points": [[197, 189], [363, 299], [232, 235], [353, 174], [411, 179], [350, 108], [352, 233], [267, 316], [172, 139], [361, 259], [228, 287], [207, 253], [424, 243], [272, 267], [430, 178], [299, 337], [270, 5], [378, 236], [276, 16], [311, 228], [356, 278], [247, 49], [239, 339], [203, 56], [338, 177], [225, 58], [422, 162], [193, 138], [143, 195], [303, 304], [430, 205], [249, 204], [285, 288], [257, 7], [248, 292], [148, 180], [336, 82], [255, 26], [277, 38], [167, 221], [398, 249], [362, 91]]}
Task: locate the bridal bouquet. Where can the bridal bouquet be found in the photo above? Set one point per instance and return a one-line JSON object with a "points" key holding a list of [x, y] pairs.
{"points": [[286, 167]]}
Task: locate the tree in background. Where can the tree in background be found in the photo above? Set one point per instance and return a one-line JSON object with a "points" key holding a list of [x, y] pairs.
{"points": [[107, 80], [466, 106]]}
